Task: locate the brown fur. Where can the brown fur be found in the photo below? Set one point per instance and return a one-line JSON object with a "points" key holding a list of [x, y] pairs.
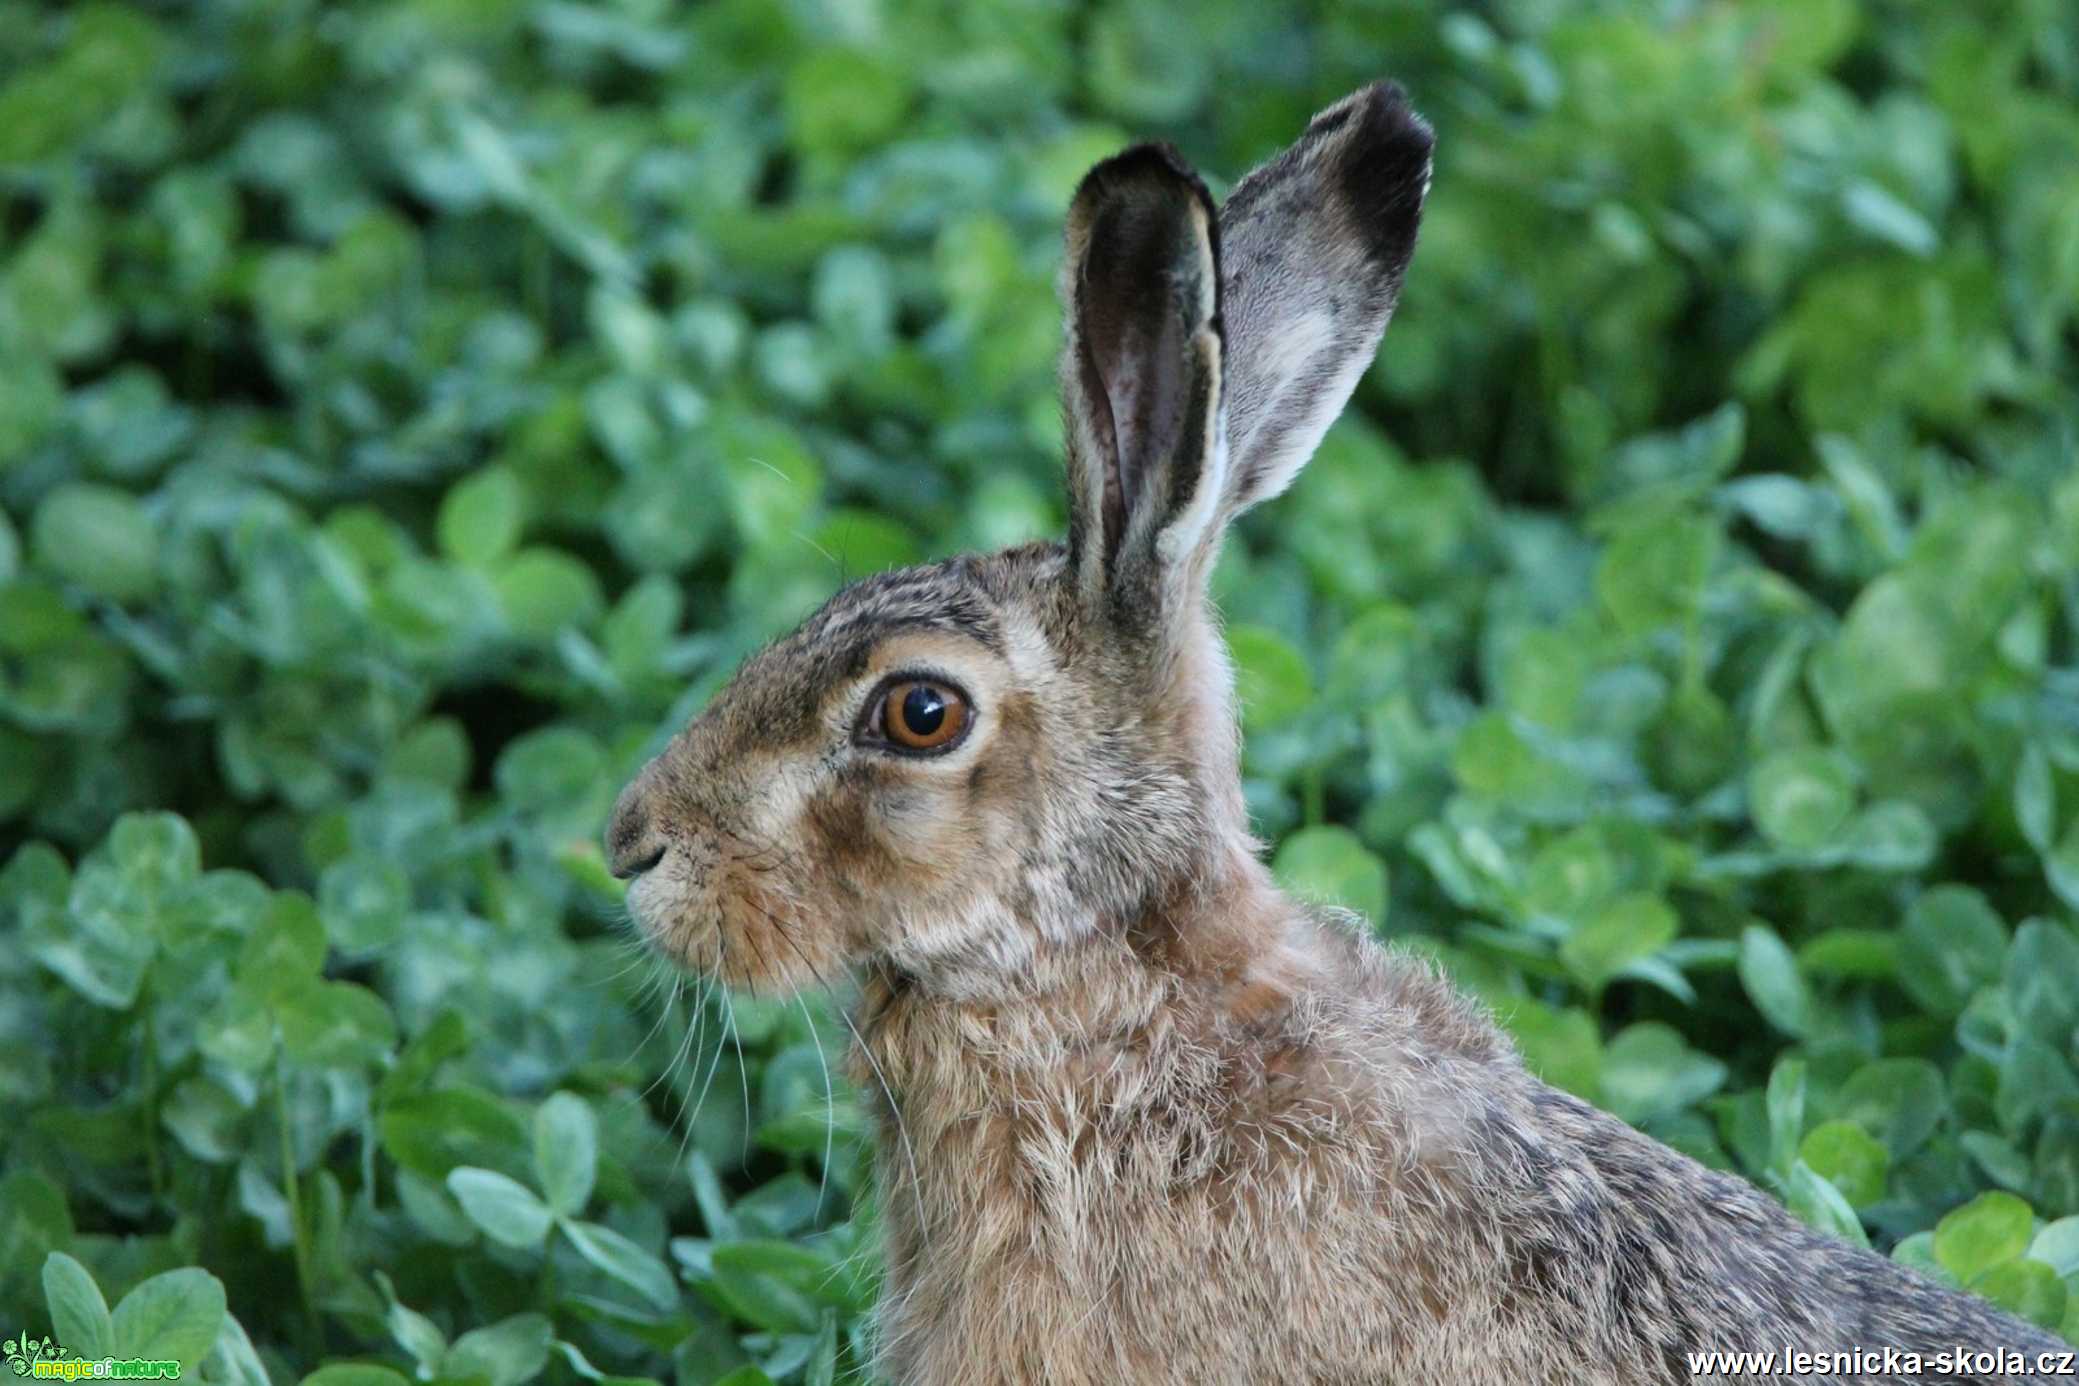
{"points": [[1144, 1118]]}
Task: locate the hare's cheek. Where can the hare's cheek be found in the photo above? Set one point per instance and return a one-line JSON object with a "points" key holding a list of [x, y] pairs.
{"points": [[841, 849], [930, 838], [873, 834], [773, 936]]}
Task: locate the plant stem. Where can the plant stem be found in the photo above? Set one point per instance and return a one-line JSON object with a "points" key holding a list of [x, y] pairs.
{"points": [[151, 1097], [314, 1330]]}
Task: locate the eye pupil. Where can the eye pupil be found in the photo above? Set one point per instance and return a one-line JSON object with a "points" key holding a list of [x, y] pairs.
{"points": [[923, 711], [920, 715]]}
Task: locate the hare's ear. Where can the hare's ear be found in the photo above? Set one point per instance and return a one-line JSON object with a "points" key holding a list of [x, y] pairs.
{"points": [[1140, 376], [1314, 244]]}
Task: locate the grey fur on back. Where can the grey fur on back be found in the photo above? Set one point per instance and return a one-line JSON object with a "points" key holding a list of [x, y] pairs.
{"points": [[1143, 1118]]}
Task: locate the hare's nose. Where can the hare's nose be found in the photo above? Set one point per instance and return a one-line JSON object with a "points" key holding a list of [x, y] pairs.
{"points": [[633, 844]]}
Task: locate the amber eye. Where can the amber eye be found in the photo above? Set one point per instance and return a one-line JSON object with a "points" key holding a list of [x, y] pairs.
{"points": [[917, 715]]}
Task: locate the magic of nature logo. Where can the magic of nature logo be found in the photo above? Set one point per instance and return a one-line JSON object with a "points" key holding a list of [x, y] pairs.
{"points": [[47, 1360]]}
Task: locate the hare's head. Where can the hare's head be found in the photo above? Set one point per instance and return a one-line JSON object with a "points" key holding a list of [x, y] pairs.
{"points": [[949, 766]]}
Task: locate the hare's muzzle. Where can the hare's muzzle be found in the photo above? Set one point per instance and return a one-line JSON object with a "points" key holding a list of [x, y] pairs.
{"points": [[633, 843]]}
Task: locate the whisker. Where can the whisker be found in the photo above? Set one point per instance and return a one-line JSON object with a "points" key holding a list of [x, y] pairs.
{"points": [[665, 1013], [660, 985], [714, 1065], [632, 943], [902, 1129], [827, 555], [761, 851], [829, 1103], [659, 978], [735, 1036], [743, 1074], [822, 1059], [682, 1050]]}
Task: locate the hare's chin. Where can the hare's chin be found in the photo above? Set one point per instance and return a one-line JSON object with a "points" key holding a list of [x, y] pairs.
{"points": [[658, 906], [681, 927]]}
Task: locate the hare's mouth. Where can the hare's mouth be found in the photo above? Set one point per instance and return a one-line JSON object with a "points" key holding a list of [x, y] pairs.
{"points": [[642, 862], [731, 922]]}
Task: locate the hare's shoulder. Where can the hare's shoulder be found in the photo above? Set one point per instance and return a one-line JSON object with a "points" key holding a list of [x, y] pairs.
{"points": [[1392, 992], [1371, 1059]]}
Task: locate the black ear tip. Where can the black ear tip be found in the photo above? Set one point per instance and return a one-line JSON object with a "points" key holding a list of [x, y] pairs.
{"points": [[1385, 127], [1148, 170], [1385, 155]]}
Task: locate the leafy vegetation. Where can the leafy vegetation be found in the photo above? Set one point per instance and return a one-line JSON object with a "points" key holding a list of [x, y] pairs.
{"points": [[411, 411]]}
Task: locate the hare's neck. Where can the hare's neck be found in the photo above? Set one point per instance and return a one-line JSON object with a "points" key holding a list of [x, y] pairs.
{"points": [[1086, 991], [1200, 693], [986, 1108], [936, 1051], [1090, 1019]]}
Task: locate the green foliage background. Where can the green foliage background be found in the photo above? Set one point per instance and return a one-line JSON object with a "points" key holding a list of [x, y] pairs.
{"points": [[410, 411]]}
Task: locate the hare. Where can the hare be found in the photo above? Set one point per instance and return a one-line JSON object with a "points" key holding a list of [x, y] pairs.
{"points": [[1144, 1118]]}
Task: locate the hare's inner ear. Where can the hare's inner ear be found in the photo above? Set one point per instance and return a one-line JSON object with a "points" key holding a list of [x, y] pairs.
{"points": [[1314, 245], [1141, 375]]}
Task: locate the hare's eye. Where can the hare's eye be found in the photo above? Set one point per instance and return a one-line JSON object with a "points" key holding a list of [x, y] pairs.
{"points": [[918, 715]]}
